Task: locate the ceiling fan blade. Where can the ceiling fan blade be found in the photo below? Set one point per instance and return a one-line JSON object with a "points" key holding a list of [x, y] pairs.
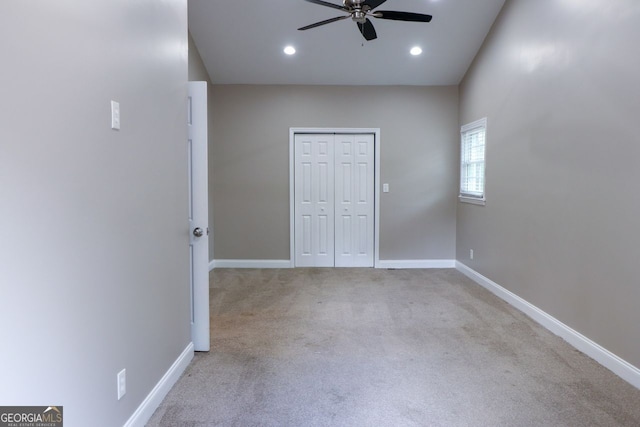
{"points": [[373, 3], [328, 21], [402, 16], [367, 30], [326, 3]]}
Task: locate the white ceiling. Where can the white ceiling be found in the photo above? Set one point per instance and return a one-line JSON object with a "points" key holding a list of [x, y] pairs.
{"points": [[242, 42]]}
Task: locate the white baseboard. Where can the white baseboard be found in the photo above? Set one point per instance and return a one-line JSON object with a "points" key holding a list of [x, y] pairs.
{"points": [[159, 392], [622, 368], [417, 263], [251, 263]]}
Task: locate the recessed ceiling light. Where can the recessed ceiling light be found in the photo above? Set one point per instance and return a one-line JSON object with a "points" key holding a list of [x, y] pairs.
{"points": [[289, 50], [415, 51]]}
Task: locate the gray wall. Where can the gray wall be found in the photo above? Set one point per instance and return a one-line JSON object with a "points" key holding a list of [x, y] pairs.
{"points": [[250, 164], [93, 229], [197, 70], [561, 223]]}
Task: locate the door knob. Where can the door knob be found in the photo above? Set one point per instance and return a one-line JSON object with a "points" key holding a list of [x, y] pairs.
{"points": [[198, 232]]}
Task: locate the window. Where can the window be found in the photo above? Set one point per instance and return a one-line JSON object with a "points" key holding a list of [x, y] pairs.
{"points": [[472, 165]]}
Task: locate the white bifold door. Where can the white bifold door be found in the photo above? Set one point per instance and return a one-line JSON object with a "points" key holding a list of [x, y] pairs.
{"points": [[334, 200]]}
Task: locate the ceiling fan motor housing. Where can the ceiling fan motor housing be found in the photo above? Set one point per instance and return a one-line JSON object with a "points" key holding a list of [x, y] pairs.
{"points": [[352, 3], [358, 10]]}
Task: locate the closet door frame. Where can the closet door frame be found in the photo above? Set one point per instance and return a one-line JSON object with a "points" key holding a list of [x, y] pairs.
{"points": [[376, 141]]}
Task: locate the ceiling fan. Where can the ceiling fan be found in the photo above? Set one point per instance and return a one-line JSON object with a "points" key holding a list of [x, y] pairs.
{"points": [[360, 10]]}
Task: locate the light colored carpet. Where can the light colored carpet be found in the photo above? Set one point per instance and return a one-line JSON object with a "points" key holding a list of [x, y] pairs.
{"points": [[365, 347]]}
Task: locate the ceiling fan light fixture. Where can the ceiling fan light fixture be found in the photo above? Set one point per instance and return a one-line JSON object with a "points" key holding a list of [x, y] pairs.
{"points": [[290, 50], [415, 51]]}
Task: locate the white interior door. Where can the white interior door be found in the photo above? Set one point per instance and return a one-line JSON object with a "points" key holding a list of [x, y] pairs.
{"points": [[314, 207], [334, 200], [354, 200], [198, 214]]}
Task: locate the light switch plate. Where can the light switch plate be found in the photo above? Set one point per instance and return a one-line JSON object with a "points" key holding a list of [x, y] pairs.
{"points": [[115, 115], [122, 383], [385, 188]]}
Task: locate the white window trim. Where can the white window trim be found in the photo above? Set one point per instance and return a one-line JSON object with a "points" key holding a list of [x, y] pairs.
{"points": [[464, 198], [473, 200]]}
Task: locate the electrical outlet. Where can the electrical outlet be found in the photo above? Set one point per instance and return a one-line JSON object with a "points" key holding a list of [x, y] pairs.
{"points": [[122, 383], [470, 253]]}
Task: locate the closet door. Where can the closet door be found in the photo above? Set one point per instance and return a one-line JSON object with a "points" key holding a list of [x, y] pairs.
{"points": [[314, 200], [354, 200], [334, 200]]}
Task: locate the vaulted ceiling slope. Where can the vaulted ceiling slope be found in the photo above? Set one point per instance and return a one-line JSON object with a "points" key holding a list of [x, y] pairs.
{"points": [[242, 42]]}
